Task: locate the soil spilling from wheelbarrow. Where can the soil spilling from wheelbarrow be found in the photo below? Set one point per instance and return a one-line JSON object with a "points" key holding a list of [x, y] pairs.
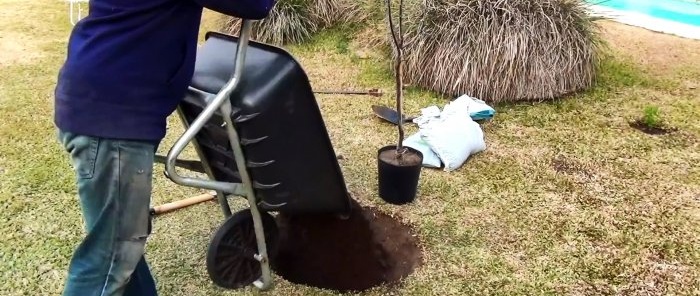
{"points": [[366, 250]]}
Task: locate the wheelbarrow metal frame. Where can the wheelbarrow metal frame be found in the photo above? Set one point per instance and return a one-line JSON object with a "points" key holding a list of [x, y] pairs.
{"points": [[221, 102]]}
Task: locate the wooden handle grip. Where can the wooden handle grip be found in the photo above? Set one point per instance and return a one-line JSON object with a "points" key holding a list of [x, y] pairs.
{"points": [[176, 205]]}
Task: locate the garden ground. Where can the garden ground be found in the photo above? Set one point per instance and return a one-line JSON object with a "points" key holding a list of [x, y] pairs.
{"points": [[567, 198]]}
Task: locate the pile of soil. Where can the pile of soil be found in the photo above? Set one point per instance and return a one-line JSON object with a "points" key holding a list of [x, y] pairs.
{"points": [[366, 250]]}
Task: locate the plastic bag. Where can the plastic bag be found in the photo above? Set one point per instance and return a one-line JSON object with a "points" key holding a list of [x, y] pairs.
{"points": [[430, 159], [476, 108], [453, 137]]}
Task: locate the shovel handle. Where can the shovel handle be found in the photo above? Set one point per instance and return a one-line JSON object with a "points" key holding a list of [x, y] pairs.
{"points": [[372, 92], [176, 205]]}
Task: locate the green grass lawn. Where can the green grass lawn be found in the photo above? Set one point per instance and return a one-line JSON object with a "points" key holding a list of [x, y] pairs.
{"points": [[567, 198]]}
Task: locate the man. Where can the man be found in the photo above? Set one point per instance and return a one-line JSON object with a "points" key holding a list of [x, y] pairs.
{"points": [[129, 63]]}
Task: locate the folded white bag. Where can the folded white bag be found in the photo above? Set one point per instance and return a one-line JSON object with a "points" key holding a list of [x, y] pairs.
{"points": [[430, 159], [427, 114], [476, 108], [453, 136]]}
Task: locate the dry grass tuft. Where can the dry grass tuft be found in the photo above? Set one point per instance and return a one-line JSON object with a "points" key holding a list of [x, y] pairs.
{"points": [[294, 21], [501, 50]]}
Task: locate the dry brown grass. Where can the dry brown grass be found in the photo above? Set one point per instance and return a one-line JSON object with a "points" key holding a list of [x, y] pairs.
{"points": [[16, 48], [500, 50]]}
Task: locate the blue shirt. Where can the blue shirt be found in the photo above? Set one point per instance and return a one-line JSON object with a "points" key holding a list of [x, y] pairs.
{"points": [[129, 64]]}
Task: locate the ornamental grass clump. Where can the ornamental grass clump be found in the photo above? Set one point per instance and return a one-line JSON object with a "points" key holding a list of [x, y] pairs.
{"points": [[294, 21], [501, 50]]}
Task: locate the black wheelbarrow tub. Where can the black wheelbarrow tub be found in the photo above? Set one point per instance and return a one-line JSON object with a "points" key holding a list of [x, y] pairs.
{"points": [[289, 154]]}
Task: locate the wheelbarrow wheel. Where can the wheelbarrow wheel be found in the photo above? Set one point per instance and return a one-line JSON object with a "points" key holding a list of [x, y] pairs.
{"points": [[230, 260]]}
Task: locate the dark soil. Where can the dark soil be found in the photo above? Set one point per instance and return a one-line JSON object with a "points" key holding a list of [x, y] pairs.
{"points": [[408, 158], [366, 250], [652, 130]]}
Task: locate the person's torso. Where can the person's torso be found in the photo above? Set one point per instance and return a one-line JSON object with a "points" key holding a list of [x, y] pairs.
{"points": [[153, 41], [128, 55]]}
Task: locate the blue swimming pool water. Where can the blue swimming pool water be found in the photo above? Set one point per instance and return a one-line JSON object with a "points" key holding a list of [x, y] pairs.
{"points": [[682, 11]]}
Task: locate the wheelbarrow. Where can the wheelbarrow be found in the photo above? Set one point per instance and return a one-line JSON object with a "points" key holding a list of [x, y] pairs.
{"points": [[251, 115]]}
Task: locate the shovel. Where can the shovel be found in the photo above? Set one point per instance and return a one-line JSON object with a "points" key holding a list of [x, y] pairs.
{"points": [[389, 114]]}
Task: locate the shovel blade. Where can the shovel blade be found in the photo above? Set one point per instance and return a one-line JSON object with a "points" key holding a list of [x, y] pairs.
{"points": [[389, 114]]}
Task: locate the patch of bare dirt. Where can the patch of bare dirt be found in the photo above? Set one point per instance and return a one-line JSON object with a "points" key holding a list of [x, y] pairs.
{"points": [[366, 250], [651, 130]]}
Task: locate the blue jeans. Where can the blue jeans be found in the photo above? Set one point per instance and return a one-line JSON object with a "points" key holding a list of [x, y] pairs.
{"points": [[114, 186]]}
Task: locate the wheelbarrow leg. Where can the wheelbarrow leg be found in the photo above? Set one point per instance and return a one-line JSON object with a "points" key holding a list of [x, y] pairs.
{"points": [[220, 195], [223, 202], [265, 282]]}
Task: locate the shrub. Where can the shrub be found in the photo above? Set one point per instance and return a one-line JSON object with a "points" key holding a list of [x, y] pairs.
{"points": [[501, 50], [293, 21]]}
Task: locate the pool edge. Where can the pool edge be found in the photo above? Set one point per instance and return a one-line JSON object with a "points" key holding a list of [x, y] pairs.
{"points": [[647, 22]]}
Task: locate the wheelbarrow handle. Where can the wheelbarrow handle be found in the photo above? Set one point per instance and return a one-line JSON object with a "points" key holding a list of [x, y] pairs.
{"points": [[223, 95], [222, 102]]}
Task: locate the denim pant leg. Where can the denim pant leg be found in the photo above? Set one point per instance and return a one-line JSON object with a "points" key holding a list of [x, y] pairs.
{"points": [[114, 186], [141, 282]]}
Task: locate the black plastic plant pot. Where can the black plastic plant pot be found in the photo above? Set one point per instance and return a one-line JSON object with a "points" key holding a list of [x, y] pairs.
{"points": [[398, 176]]}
